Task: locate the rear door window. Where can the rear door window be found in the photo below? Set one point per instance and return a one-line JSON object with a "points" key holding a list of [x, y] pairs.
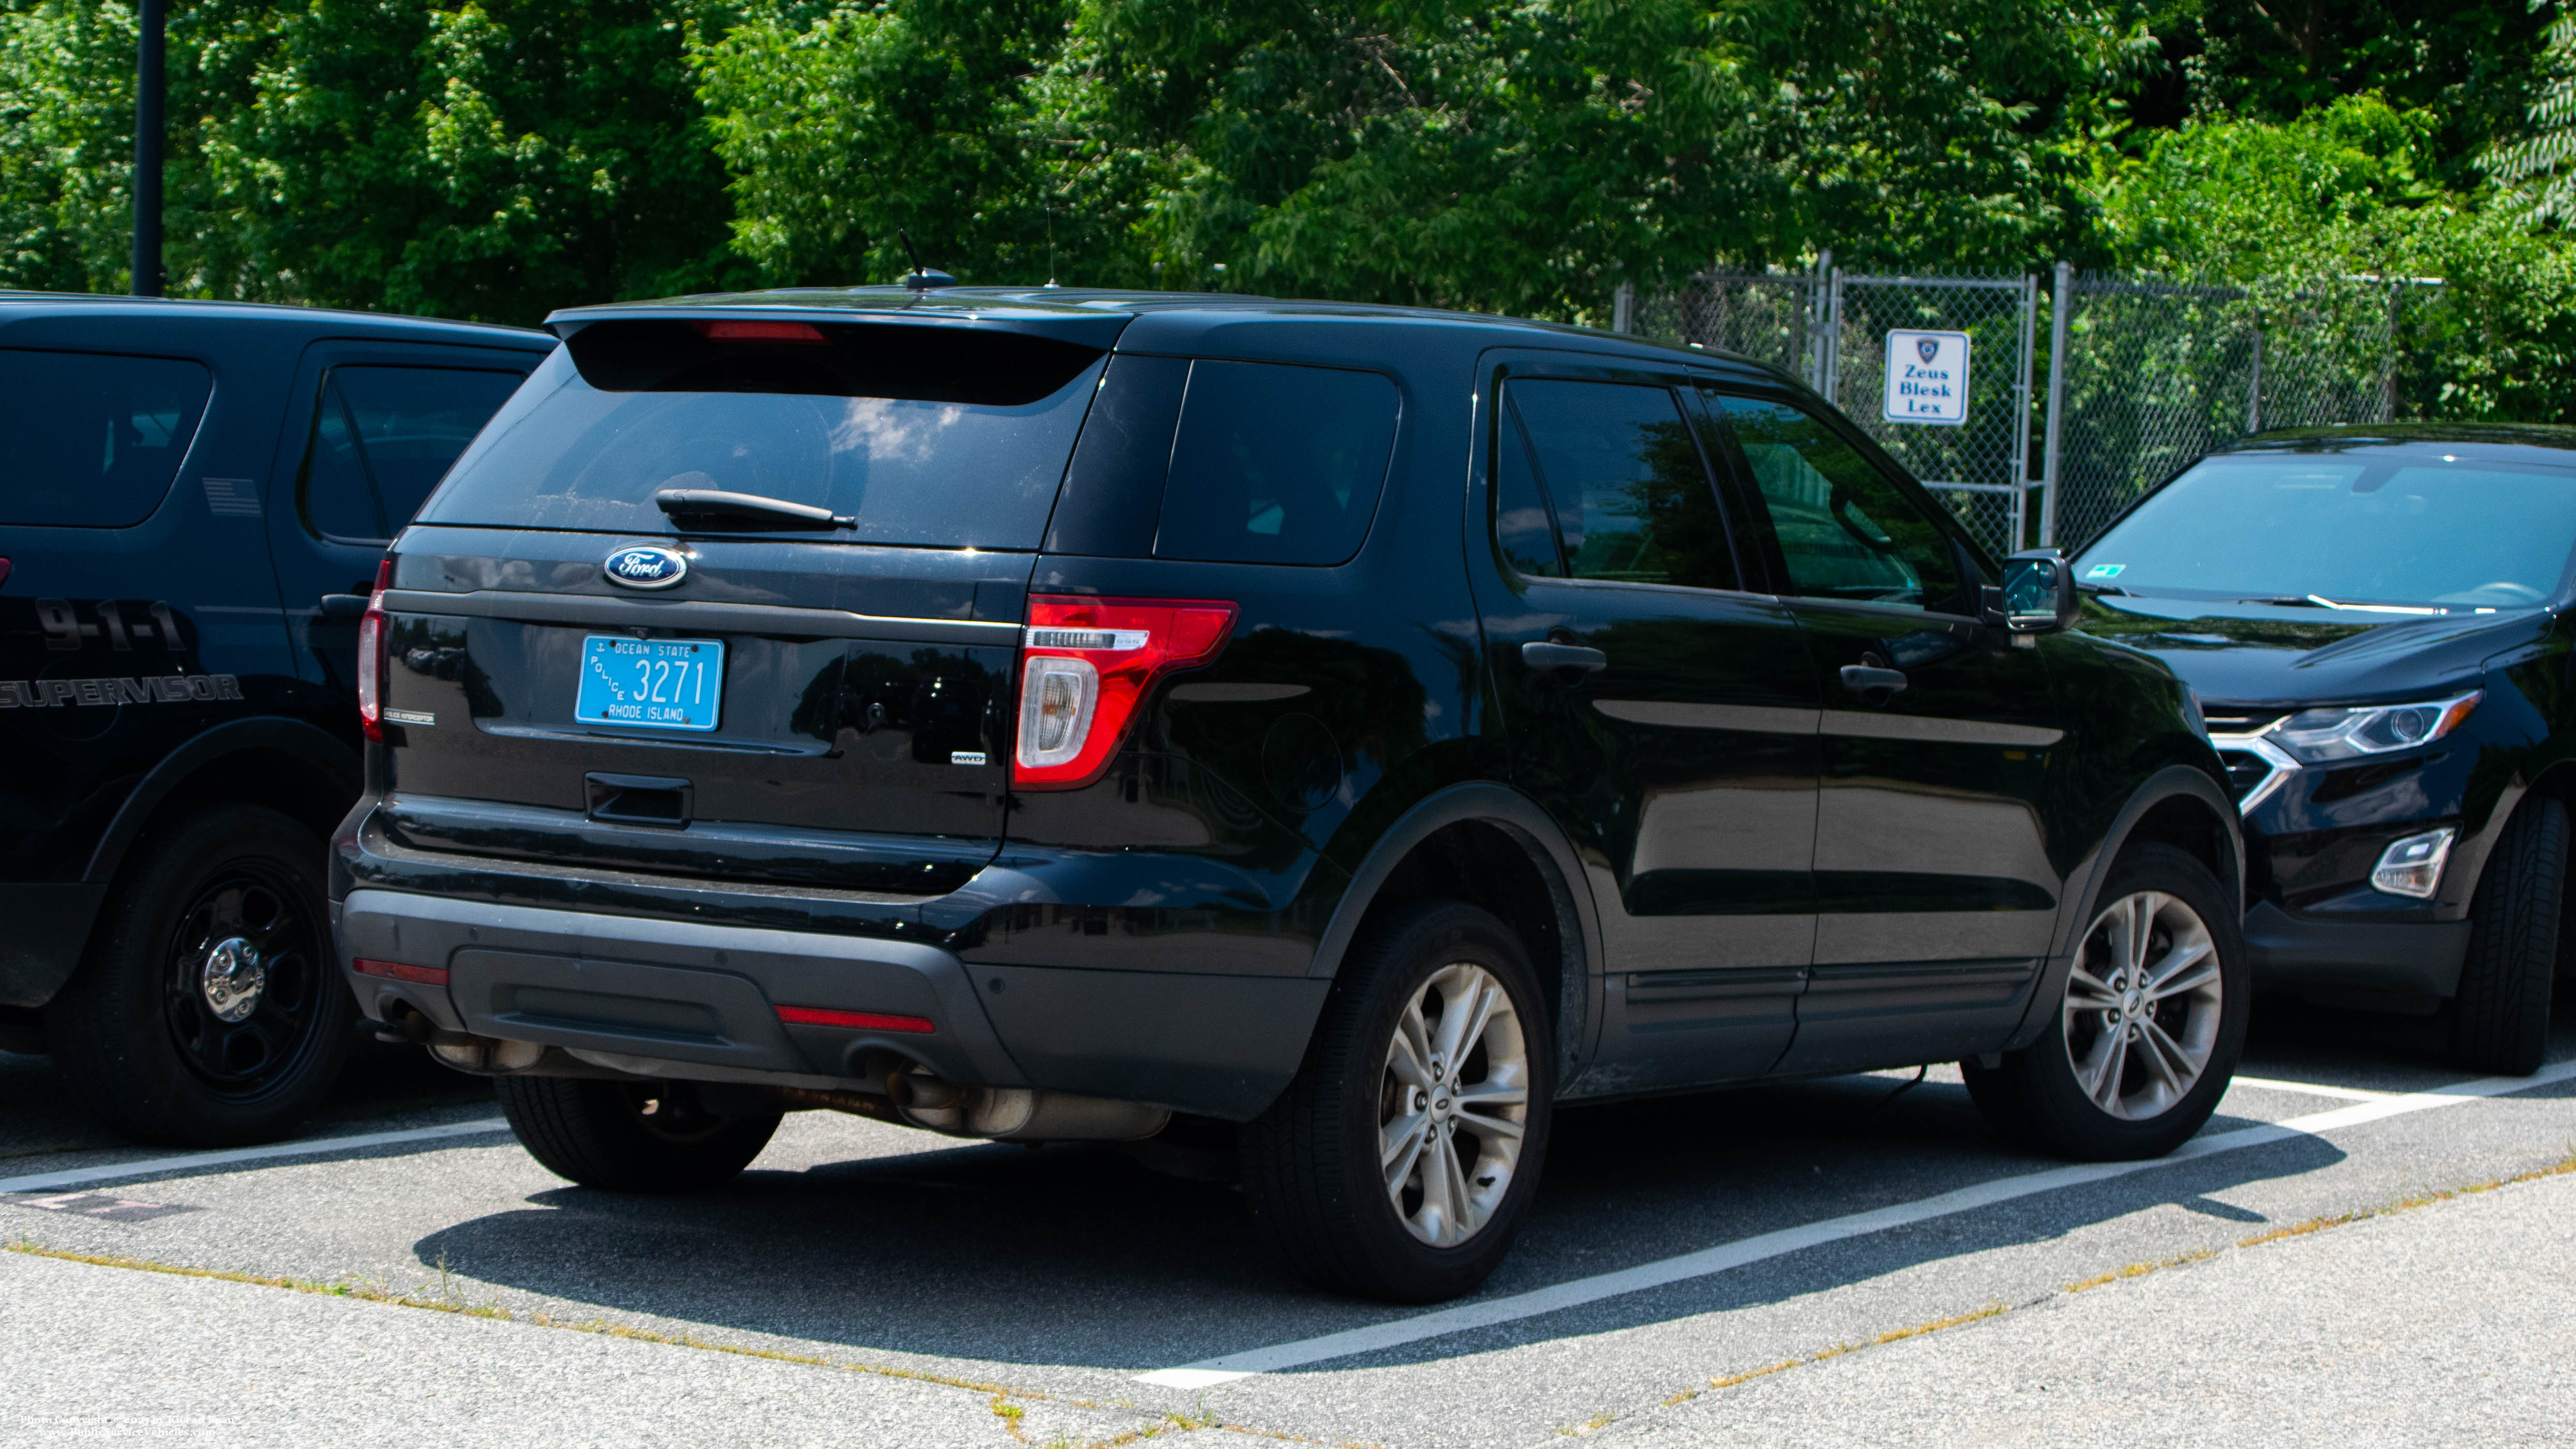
{"points": [[92, 440], [383, 437], [1604, 480], [939, 436], [1275, 463]]}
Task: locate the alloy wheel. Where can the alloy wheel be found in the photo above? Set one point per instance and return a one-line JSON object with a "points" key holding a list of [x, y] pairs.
{"points": [[1452, 1104], [2142, 1008]]}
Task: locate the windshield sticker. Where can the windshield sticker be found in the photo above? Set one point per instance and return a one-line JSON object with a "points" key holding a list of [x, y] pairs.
{"points": [[2104, 571]]}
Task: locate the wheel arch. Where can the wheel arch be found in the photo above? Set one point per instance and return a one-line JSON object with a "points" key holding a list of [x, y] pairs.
{"points": [[1490, 846], [2178, 805], [290, 764]]}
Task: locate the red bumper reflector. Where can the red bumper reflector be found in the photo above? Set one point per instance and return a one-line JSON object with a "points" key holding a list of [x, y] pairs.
{"points": [[854, 1020], [397, 971]]}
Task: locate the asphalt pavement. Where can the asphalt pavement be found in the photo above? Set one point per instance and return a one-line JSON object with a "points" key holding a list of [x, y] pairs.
{"points": [[2363, 1243]]}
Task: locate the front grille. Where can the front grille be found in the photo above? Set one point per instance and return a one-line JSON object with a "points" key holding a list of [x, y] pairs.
{"points": [[2245, 769], [2230, 719]]}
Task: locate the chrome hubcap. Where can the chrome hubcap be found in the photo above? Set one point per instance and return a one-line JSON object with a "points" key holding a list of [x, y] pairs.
{"points": [[2142, 1006], [232, 978], [1452, 1105]]}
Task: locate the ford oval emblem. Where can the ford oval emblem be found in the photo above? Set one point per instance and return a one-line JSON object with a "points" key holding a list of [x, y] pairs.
{"points": [[645, 568]]}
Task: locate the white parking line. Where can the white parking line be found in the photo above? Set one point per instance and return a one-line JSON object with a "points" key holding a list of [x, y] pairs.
{"points": [[1470, 1315], [2313, 1089], [308, 1147]]}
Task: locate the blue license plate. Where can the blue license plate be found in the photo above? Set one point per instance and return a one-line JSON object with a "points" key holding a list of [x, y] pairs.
{"points": [[660, 684]]}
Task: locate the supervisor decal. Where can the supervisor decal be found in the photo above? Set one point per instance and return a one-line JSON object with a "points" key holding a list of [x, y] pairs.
{"points": [[146, 689]]}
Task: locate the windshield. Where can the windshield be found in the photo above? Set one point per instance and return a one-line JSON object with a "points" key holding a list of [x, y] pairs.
{"points": [[2405, 529], [947, 438]]}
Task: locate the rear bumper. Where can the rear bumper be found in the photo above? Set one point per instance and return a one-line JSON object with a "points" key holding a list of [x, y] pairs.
{"points": [[705, 998], [2401, 959]]}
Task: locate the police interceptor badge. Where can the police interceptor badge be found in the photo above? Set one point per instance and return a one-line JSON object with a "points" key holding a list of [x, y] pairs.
{"points": [[645, 568]]}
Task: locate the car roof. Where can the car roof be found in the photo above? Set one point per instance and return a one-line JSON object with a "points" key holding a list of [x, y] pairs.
{"points": [[19, 303], [1174, 312]]}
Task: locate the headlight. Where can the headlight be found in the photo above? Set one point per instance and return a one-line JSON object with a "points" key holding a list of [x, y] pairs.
{"points": [[2335, 733]]}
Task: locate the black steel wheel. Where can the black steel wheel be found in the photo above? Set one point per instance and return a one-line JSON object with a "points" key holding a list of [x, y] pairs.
{"points": [[210, 1011]]}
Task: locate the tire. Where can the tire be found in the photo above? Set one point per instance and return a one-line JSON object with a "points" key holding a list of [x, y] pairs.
{"points": [[2500, 1020], [1311, 1163], [210, 1011], [2124, 1074], [651, 1137]]}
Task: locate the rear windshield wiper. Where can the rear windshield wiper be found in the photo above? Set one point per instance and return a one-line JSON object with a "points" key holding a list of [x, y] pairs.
{"points": [[712, 508], [2320, 601]]}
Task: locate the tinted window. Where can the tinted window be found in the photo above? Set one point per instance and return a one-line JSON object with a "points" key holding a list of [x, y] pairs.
{"points": [[1618, 468], [947, 437], [91, 440], [1845, 530], [1275, 464], [384, 436], [2355, 529]]}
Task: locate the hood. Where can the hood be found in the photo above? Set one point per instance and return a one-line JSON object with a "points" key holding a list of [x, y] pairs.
{"points": [[2266, 654]]}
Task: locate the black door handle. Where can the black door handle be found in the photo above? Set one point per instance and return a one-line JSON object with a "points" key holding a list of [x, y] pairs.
{"points": [[1540, 655], [1865, 678], [343, 606]]}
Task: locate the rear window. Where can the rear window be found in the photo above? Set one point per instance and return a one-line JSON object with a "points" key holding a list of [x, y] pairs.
{"points": [[89, 440], [1275, 463], [937, 436], [382, 438]]}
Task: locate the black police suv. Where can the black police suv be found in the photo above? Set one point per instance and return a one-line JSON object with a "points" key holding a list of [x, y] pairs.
{"points": [[1045, 715], [2376, 622], [194, 498]]}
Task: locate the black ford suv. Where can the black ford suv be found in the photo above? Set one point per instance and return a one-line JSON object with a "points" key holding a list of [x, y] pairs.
{"points": [[1045, 715], [2377, 620], [193, 499]]}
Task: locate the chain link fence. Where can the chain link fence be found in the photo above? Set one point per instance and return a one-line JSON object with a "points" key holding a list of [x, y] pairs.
{"points": [[2144, 374], [2150, 374]]}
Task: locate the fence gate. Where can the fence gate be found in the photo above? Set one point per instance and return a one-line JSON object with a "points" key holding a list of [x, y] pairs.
{"points": [[1979, 466]]}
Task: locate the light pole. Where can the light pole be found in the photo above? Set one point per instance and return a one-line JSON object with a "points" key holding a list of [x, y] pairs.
{"points": [[148, 85]]}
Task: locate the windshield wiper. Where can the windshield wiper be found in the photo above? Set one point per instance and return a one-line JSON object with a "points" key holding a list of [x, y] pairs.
{"points": [[2320, 601], [2102, 589], [712, 508]]}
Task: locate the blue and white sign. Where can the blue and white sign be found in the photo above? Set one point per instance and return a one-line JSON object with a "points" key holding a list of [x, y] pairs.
{"points": [[1927, 378]]}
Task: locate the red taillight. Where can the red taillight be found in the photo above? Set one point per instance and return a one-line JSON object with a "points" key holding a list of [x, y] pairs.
{"points": [[855, 1020], [397, 971], [1085, 664], [721, 330], [371, 661]]}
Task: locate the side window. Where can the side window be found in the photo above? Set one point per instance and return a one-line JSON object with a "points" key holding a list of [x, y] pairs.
{"points": [[1615, 466], [383, 437], [89, 440], [1844, 529], [1276, 464]]}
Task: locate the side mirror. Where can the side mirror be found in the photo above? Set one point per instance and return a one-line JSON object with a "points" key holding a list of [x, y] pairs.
{"points": [[2038, 593]]}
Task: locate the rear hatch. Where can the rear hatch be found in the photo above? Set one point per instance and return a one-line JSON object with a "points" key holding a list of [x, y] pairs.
{"points": [[614, 641]]}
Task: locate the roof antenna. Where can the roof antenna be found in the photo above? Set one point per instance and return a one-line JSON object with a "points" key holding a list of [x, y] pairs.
{"points": [[1050, 216], [921, 278]]}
